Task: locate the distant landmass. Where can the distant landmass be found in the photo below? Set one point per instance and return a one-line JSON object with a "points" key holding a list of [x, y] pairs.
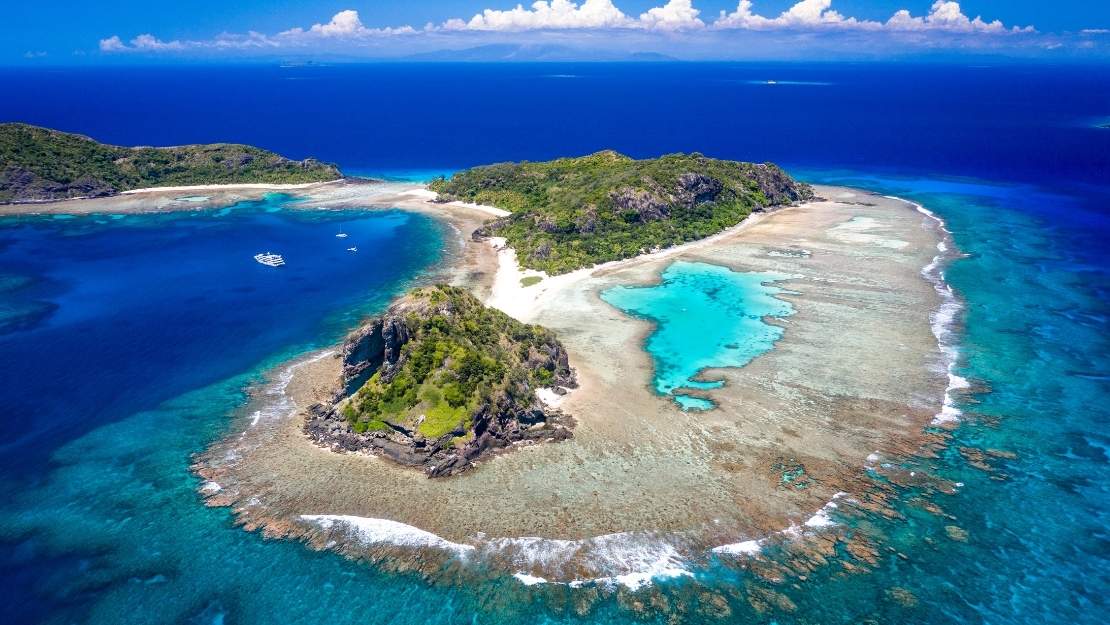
{"points": [[40, 164], [441, 379], [577, 212], [533, 53]]}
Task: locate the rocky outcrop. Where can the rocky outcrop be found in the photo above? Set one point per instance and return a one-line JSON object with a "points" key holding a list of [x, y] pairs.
{"points": [[694, 188], [496, 429], [655, 202], [644, 205], [777, 186], [388, 352], [374, 347]]}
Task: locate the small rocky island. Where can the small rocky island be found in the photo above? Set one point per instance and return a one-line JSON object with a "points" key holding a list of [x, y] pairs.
{"points": [[441, 380], [44, 165], [571, 213]]}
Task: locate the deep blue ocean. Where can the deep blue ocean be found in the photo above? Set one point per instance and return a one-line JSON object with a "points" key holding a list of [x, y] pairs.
{"points": [[127, 344]]}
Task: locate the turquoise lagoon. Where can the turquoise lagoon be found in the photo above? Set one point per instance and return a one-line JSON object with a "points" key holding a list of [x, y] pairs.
{"points": [[706, 316]]}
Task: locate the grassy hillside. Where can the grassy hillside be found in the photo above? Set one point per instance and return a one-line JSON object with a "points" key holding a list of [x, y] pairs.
{"points": [[38, 164], [445, 364], [576, 212]]}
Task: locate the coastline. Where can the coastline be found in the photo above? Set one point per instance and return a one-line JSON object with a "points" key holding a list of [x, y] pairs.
{"points": [[167, 199], [580, 545]]}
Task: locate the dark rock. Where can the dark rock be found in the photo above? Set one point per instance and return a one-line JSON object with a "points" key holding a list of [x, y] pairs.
{"points": [[641, 205], [542, 251], [697, 189], [777, 186], [587, 221]]}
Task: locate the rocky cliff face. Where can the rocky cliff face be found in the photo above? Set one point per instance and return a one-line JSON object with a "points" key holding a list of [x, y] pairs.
{"points": [[390, 353]]}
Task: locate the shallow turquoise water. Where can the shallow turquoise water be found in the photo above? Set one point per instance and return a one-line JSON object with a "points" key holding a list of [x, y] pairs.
{"points": [[705, 316]]}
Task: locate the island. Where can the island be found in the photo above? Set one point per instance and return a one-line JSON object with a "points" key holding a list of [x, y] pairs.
{"points": [[572, 213], [44, 165], [440, 380]]}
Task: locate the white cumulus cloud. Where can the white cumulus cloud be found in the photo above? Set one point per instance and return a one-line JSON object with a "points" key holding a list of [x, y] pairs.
{"points": [[553, 15], [345, 24], [675, 15], [590, 15], [346, 29], [112, 44], [142, 43], [804, 14], [944, 15]]}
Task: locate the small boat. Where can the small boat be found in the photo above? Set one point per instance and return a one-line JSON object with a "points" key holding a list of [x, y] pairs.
{"points": [[270, 259], [772, 82], [341, 234], [352, 249]]}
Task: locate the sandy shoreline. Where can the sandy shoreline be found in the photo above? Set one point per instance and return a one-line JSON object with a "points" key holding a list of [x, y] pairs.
{"points": [[166, 199], [854, 378]]}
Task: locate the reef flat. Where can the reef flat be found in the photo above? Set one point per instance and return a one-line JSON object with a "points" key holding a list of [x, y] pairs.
{"points": [[856, 374]]}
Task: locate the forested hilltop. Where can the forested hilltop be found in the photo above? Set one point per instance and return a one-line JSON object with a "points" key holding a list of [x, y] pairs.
{"points": [[576, 212], [39, 164], [440, 379]]}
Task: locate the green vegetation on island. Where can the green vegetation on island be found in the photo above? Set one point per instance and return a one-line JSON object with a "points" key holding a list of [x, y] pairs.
{"points": [[39, 164], [448, 378], [571, 213]]}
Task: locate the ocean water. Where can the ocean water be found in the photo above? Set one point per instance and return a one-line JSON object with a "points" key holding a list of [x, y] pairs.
{"points": [[705, 316], [109, 389]]}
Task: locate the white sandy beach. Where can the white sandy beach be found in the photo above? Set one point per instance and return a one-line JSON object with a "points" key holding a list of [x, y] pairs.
{"points": [[224, 187]]}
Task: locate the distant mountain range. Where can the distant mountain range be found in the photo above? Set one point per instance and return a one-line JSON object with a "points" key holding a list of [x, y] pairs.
{"points": [[533, 53]]}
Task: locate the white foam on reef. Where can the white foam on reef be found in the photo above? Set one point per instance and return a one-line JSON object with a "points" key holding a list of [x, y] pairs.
{"points": [[821, 518], [819, 521], [742, 548], [372, 531], [529, 580], [943, 321], [549, 397], [624, 559], [632, 560], [282, 405]]}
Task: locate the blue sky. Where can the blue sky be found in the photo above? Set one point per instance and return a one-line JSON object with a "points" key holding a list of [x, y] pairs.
{"points": [[68, 31]]}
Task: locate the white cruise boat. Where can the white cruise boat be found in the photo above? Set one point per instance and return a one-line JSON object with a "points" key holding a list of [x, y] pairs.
{"points": [[270, 259], [341, 234]]}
